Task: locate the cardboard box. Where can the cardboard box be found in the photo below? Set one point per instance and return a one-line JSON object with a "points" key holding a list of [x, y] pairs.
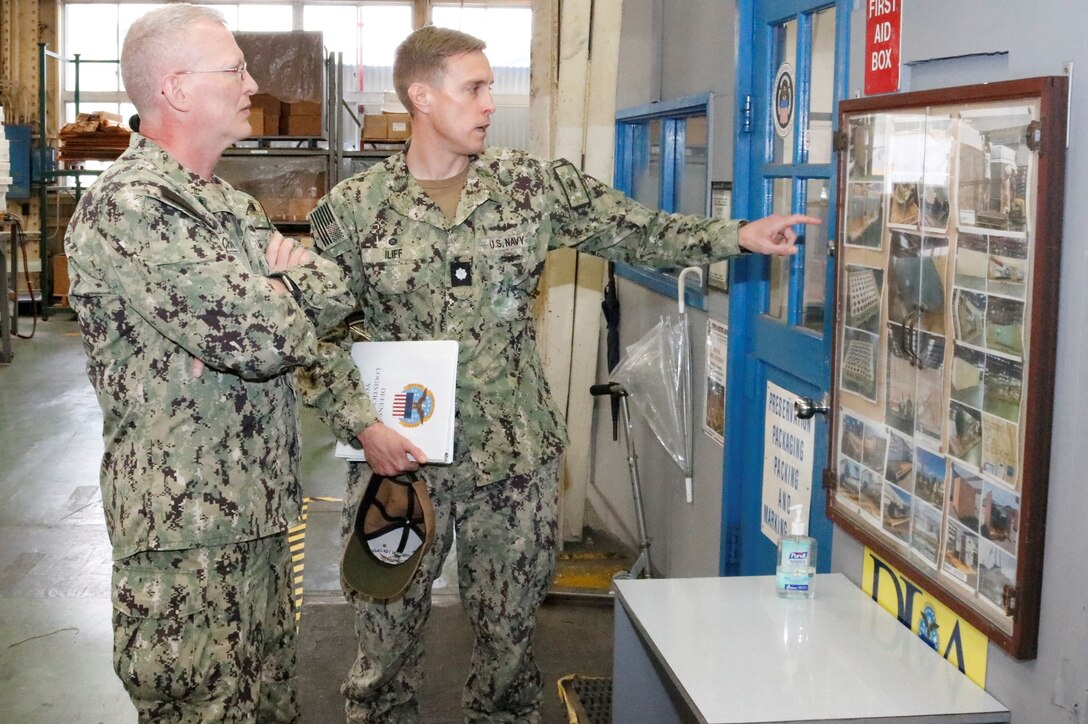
{"points": [[303, 108], [299, 208], [375, 127], [60, 277], [270, 104], [269, 110], [301, 126], [400, 126], [256, 122], [301, 118], [275, 207]]}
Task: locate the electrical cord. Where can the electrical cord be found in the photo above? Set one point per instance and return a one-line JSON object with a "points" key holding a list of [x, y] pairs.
{"points": [[20, 239]]}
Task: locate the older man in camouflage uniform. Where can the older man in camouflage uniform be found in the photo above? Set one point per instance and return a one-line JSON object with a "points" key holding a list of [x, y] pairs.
{"points": [[447, 241], [194, 312]]}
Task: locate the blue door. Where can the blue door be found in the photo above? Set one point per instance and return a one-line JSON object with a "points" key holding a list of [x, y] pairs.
{"points": [[791, 73]]}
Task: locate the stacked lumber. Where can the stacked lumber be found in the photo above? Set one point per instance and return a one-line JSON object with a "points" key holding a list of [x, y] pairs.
{"points": [[93, 137]]}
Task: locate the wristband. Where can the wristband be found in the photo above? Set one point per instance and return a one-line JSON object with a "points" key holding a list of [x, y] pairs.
{"points": [[293, 288]]}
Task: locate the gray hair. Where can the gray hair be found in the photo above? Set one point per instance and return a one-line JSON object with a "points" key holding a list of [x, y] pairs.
{"points": [[151, 41], [422, 57]]}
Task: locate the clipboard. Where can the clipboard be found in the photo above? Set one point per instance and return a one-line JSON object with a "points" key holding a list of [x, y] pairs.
{"points": [[413, 385]]}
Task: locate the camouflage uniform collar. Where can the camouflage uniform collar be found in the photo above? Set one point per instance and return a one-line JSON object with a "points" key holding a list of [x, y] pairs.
{"points": [[408, 198], [184, 189], [165, 163]]}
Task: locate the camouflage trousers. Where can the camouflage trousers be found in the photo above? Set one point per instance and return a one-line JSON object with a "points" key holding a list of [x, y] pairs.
{"points": [[207, 634], [506, 541]]}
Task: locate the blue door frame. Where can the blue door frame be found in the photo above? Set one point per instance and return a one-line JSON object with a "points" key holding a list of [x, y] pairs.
{"points": [[762, 348]]}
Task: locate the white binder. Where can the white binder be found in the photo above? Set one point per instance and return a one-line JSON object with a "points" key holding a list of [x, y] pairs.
{"points": [[413, 385]]}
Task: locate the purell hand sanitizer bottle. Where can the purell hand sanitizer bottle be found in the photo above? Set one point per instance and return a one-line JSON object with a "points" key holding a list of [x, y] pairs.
{"points": [[796, 560]]}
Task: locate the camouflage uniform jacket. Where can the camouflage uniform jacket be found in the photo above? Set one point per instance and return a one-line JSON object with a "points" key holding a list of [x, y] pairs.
{"points": [[165, 267], [419, 275]]}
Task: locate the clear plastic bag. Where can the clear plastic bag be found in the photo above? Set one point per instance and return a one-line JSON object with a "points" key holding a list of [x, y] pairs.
{"points": [[652, 372]]}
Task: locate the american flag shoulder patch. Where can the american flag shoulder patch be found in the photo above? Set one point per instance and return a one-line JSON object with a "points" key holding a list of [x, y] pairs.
{"points": [[328, 232]]}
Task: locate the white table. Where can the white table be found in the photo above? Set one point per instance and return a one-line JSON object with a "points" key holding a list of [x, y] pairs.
{"points": [[720, 650]]}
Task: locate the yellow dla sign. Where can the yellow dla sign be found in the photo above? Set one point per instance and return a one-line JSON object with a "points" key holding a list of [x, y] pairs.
{"points": [[957, 641]]}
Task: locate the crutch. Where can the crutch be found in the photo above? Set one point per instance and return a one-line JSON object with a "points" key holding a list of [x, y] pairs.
{"points": [[641, 567]]}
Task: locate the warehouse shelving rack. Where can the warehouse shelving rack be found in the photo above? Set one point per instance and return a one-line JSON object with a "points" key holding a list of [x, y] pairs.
{"points": [[45, 173], [327, 150], [270, 154]]}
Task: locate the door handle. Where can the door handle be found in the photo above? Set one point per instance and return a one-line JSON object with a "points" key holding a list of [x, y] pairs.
{"points": [[805, 407]]}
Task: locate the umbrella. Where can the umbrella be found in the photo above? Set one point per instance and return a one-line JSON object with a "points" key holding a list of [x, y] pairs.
{"points": [[656, 372], [685, 375], [610, 305]]}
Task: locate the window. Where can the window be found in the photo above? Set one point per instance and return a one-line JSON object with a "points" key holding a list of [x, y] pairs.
{"points": [[506, 30], [96, 32], [366, 35], [662, 161]]}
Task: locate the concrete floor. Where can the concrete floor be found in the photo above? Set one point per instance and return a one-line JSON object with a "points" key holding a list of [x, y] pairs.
{"points": [[55, 640]]}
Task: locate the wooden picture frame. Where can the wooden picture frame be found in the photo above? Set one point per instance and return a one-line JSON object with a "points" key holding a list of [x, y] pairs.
{"points": [[944, 348]]}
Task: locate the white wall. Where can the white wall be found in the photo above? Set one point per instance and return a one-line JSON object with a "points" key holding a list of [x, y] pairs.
{"points": [[675, 48], [669, 49], [1023, 40], [639, 78], [685, 537]]}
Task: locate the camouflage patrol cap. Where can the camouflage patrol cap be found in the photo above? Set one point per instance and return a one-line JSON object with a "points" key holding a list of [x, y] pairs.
{"points": [[393, 530]]}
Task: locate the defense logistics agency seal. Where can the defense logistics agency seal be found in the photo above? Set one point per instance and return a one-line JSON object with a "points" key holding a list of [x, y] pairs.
{"points": [[413, 405], [783, 101]]}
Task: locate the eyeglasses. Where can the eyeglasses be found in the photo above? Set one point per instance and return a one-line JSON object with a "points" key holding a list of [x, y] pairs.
{"points": [[240, 71]]}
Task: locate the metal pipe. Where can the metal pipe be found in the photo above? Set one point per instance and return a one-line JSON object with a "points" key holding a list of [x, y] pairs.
{"points": [[642, 565]]}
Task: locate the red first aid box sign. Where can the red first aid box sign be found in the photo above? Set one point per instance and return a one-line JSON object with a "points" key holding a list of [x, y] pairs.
{"points": [[882, 25]]}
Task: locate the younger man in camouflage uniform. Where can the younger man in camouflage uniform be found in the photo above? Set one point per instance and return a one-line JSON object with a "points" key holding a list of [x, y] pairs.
{"points": [[194, 312], [447, 241]]}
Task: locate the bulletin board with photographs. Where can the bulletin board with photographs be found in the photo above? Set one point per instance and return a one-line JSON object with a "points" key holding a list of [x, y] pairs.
{"points": [[946, 301]]}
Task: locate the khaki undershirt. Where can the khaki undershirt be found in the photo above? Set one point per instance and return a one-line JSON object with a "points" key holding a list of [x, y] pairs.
{"points": [[446, 193]]}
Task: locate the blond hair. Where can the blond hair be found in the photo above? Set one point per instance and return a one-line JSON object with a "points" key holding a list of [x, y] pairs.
{"points": [[152, 42], [421, 57]]}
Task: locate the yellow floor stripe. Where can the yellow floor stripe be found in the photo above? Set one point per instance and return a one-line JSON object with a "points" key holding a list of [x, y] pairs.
{"points": [[591, 570], [298, 534], [296, 539]]}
